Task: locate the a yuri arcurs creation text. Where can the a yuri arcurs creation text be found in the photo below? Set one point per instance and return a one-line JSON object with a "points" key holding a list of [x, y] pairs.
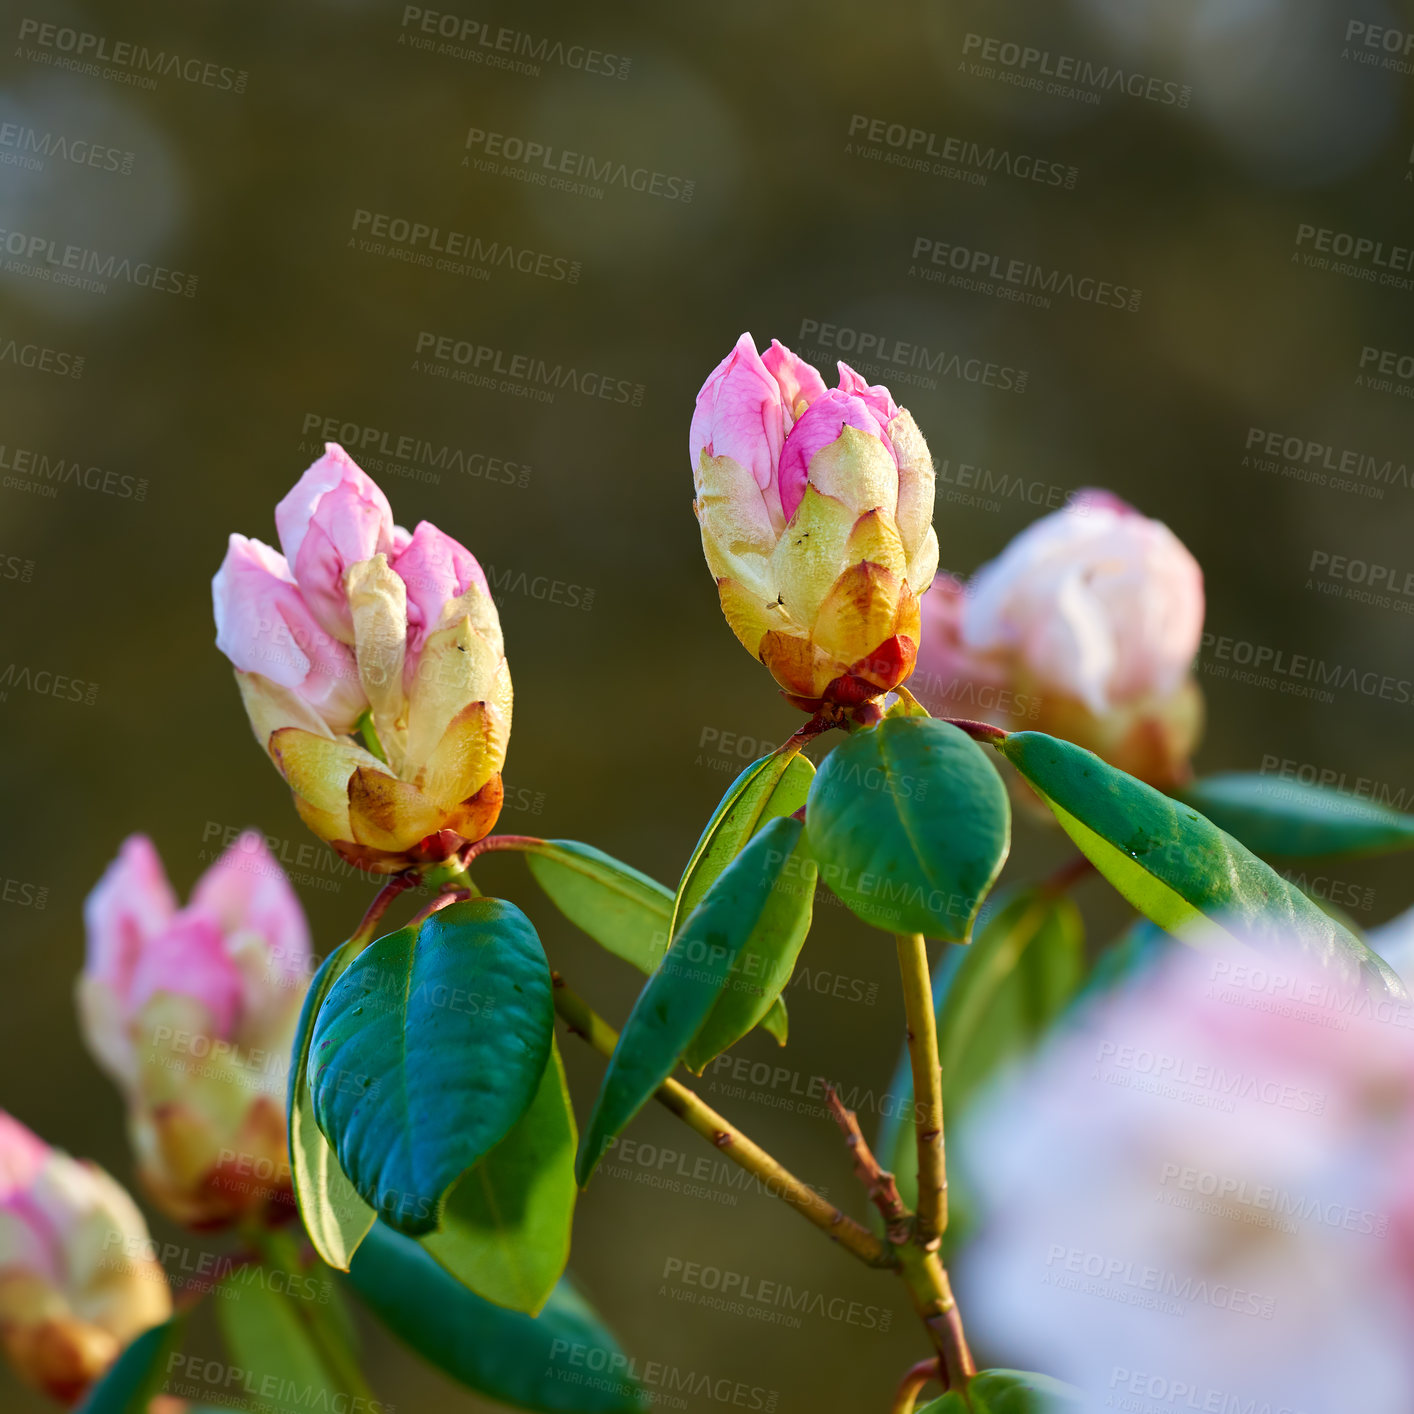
{"points": [[1175, 1166]]}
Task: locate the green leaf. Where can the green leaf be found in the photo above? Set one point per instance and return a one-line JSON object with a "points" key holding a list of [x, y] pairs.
{"points": [[1178, 868], [910, 824], [1274, 816], [1010, 1392], [775, 785], [426, 1052], [271, 1346], [138, 1374], [334, 1215], [776, 1022], [676, 999], [995, 1000], [563, 1361], [505, 1229], [767, 958], [622, 910]]}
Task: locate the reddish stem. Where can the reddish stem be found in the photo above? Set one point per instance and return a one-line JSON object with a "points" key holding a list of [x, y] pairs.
{"points": [[396, 885], [912, 1384], [978, 731]]}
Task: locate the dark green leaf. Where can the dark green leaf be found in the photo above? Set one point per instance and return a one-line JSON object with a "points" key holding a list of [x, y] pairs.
{"points": [[138, 1374], [505, 1229], [769, 788], [678, 996], [334, 1215], [561, 1362], [910, 825], [622, 910], [1273, 816], [426, 1052], [271, 1346], [1178, 868], [1010, 1392], [767, 958]]}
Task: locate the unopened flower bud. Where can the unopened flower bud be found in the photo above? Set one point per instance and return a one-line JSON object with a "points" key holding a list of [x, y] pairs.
{"points": [[816, 512], [78, 1280], [372, 669], [192, 1012]]}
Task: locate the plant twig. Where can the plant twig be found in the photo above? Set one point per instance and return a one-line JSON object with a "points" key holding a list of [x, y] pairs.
{"points": [[927, 1088], [777, 1180], [878, 1181], [978, 731], [1071, 872], [368, 925], [911, 1386]]}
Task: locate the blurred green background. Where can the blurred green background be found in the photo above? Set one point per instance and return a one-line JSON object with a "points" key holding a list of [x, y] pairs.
{"points": [[635, 706]]}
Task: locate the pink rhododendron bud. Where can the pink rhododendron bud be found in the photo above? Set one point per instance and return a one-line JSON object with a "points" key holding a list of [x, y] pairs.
{"points": [[334, 518], [1202, 1184], [816, 510], [192, 1012], [1086, 626], [78, 1280], [372, 669]]}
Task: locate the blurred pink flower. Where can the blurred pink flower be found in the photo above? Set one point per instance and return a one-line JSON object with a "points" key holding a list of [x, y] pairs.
{"points": [[1091, 618], [77, 1277], [192, 1012], [1197, 1196]]}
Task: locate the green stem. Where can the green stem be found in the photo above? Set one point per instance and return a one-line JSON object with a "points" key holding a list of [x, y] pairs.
{"points": [[728, 1140], [927, 1088]]}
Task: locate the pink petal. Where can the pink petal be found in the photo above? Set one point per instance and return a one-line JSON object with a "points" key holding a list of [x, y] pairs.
{"points": [[22, 1154], [334, 517], [246, 891], [189, 959], [822, 424], [130, 904], [436, 570], [264, 626]]}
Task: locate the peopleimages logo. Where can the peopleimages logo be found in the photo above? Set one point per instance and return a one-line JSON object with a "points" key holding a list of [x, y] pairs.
{"points": [[63, 47], [42, 257], [437, 248], [560, 169], [1063, 75], [873, 352], [1013, 279], [524, 375], [501, 47], [942, 155]]}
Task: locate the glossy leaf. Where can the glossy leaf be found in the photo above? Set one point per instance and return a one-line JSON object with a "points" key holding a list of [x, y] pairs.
{"points": [[505, 1228], [767, 958], [138, 1374], [1010, 1392], [995, 1000], [1274, 816], [677, 998], [563, 1361], [426, 1052], [769, 788], [623, 910], [910, 824], [334, 1215], [776, 1022], [271, 1346], [1179, 869]]}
